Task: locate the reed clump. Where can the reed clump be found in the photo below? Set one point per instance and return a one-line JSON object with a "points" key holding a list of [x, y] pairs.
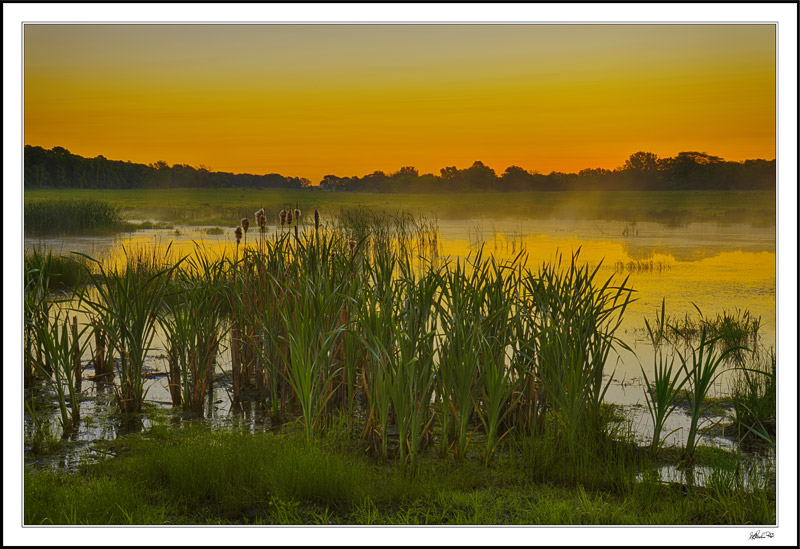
{"points": [[73, 216]]}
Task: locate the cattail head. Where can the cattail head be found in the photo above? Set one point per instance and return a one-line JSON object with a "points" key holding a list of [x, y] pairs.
{"points": [[316, 219], [297, 215], [261, 219], [352, 244], [283, 217], [238, 232], [245, 224], [289, 217]]}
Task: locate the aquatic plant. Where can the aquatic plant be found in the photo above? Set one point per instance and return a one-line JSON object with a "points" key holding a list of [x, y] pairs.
{"points": [[754, 397], [193, 328], [126, 302], [60, 363], [69, 216], [661, 395], [575, 321], [701, 368]]}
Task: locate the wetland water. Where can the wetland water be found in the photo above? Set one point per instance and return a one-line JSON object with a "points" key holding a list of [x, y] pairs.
{"points": [[719, 268]]}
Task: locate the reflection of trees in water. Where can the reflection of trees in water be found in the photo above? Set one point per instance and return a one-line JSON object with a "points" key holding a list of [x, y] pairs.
{"points": [[684, 251]]}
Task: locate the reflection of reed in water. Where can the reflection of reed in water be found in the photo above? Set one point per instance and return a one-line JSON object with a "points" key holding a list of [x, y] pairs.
{"points": [[642, 266]]}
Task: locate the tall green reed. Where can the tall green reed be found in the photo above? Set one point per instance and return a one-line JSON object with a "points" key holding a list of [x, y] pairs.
{"points": [[193, 327], [459, 375], [702, 368], [661, 395], [575, 322], [60, 364], [312, 323], [376, 318], [754, 397], [126, 303], [37, 303]]}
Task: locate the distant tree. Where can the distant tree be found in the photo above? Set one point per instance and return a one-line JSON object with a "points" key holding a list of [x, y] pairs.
{"points": [[515, 178], [642, 162], [449, 173], [406, 171]]}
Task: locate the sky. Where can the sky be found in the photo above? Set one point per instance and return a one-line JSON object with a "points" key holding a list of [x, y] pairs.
{"points": [[309, 100]]}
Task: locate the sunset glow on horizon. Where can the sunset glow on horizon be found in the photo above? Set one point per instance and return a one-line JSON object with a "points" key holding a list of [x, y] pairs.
{"points": [[310, 100]]}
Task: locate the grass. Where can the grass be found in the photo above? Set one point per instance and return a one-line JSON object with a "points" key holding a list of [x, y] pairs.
{"points": [[220, 206], [70, 216], [754, 398], [201, 477], [63, 272]]}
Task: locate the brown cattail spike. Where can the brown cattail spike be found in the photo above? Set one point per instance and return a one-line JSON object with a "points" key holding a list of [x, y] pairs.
{"points": [[297, 215], [245, 224], [289, 217], [316, 219], [283, 217], [238, 233]]}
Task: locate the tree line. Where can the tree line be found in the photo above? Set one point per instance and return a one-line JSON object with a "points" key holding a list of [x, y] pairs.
{"points": [[59, 168], [641, 171]]}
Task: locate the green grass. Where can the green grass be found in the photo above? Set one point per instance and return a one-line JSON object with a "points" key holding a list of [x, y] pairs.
{"points": [[201, 477], [68, 215], [221, 206]]}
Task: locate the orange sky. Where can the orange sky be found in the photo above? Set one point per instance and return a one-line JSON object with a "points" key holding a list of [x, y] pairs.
{"points": [[308, 100]]}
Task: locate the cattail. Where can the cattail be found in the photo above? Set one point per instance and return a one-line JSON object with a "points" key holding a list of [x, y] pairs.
{"points": [[316, 219], [297, 215], [245, 224], [352, 244], [238, 233], [289, 217], [283, 217], [261, 219]]}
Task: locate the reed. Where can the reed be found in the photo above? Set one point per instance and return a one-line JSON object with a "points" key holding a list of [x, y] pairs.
{"points": [[376, 318], [754, 397], [60, 363], [459, 372], [37, 303], [661, 395], [126, 302], [701, 367], [575, 322], [495, 287], [193, 328], [71, 217]]}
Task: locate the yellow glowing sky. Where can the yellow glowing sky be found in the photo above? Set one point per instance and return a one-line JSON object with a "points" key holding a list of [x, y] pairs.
{"points": [[307, 100]]}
